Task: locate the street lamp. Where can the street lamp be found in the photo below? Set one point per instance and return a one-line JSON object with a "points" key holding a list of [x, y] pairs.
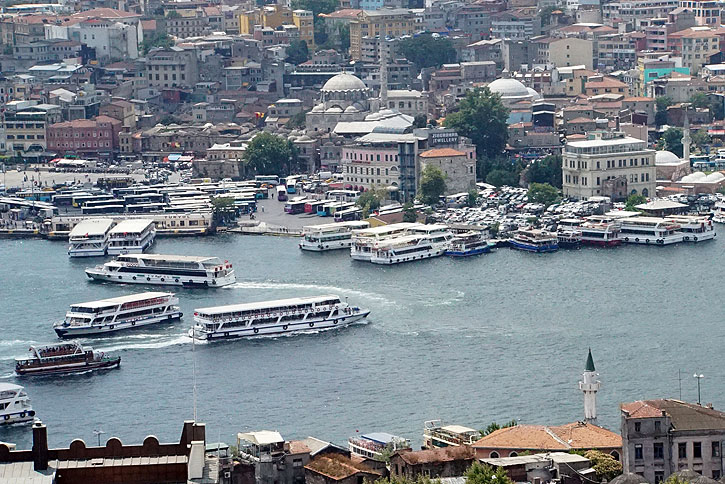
{"points": [[98, 434], [698, 377]]}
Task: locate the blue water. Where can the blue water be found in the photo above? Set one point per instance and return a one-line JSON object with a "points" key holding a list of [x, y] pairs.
{"points": [[500, 336]]}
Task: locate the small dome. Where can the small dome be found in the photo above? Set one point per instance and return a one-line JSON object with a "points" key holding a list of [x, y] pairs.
{"points": [[715, 177], [688, 475], [344, 82], [334, 110], [697, 177], [318, 109], [509, 88], [666, 158], [352, 109], [534, 95], [629, 478]]}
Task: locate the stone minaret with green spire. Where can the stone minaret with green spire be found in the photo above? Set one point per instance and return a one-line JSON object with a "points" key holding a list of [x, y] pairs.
{"points": [[590, 386]]}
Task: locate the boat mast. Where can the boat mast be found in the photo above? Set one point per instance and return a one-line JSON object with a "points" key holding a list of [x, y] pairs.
{"points": [[193, 358]]}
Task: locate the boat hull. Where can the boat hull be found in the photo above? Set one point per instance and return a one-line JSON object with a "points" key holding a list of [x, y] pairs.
{"points": [[17, 417], [70, 332], [539, 249], [654, 240], [699, 237], [399, 259], [325, 246], [80, 367], [86, 252], [569, 244], [602, 243], [160, 279], [312, 324], [469, 252]]}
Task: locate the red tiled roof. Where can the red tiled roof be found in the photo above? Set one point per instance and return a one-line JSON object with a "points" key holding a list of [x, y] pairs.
{"points": [[337, 467], [441, 152], [350, 13], [444, 454], [576, 435]]}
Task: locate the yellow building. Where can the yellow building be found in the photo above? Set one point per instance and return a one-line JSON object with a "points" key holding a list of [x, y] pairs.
{"points": [[392, 22], [274, 17]]}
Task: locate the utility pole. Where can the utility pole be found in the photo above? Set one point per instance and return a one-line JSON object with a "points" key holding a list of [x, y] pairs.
{"points": [[698, 377], [98, 433]]}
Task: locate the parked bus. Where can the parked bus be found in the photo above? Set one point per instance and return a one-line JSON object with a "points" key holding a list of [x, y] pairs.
{"points": [[330, 208], [343, 195], [101, 209], [348, 215], [268, 179], [311, 205], [281, 193], [296, 206]]}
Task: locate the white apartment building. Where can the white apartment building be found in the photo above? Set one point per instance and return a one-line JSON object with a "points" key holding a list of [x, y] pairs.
{"points": [[608, 164]]}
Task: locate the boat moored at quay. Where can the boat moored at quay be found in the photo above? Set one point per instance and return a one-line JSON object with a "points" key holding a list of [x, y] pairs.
{"points": [[534, 240], [319, 238], [650, 231], [276, 317], [601, 231], [90, 238], [167, 270], [468, 244], [63, 358], [694, 228], [568, 233], [131, 237], [117, 314], [14, 404], [437, 435], [364, 240], [420, 242]]}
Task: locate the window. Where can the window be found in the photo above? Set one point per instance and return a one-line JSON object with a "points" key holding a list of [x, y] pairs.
{"points": [[697, 450], [658, 450], [297, 463], [638, 452], [716, 474], [682, 450], [493, 455], [716, 449], [659, 476], [658, 424]]}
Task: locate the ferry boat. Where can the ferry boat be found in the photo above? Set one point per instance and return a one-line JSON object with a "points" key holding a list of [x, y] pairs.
{"points": [[568, 233], [468, 244], [601, 231], [364, 240], [534, 240], [90, 238], [168, 270], [650, 231], [319, 238], [131, 237], [373, 444], [693, 228], [718, 212], [437, 435], [14, 404], [422, 242], [63, 358], [118, 313], [274, 317]]}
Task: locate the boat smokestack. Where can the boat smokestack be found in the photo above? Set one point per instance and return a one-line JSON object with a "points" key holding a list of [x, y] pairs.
{"points": [[40, 446]]}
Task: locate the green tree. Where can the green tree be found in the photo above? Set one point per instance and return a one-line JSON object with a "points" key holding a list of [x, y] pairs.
{"points": [[420, 121], [344, 32], [545, 170], [671, 140], [604, 465], [432, 185], [699, 100], [662, 103], [321, 35], [545, 14], [371, 200], [717, 108], [297, 121], [316, 6], [173, 14], [420, 479], [158, 39], [297, 52], [222, 209], [483, 118], [424, 50], [493, 426], [409, 213], [542, 193], [268, 154], [485, 474], [633, 201], [700, 138], [472, 197], [499, 178]]}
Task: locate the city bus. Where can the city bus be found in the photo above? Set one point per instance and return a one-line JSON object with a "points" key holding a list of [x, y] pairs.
{"points": [[348, 214], [343, 195], [100, 209], [81, 200], [330, 208], [296, 206], [268, 179], [311, 205], [281, 193]]}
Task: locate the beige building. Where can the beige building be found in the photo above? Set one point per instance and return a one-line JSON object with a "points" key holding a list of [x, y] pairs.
{"points": [[386, 22], [605, 162], [408, 102], [172, 67], [458, 167], [695, 45], [571, 51], [26, 127], [276, 16]]}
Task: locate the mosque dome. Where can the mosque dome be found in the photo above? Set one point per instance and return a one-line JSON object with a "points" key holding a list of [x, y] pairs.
{"points": [[534, 95], [344, 82], [508, 88], [666, 158]]}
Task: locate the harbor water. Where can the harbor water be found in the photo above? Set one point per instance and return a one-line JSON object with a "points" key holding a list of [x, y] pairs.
{"points": [[497, 337]]}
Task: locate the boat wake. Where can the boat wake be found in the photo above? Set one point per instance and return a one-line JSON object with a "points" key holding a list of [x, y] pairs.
{"points": [[286, 285], [178, 340], [457, 298]]}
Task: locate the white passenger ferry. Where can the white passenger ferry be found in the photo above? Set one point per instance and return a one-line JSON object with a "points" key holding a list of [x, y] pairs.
{"points": [[693, 228], [320, 238], [118, 313], [274, 317], [601, 231], [168, 270], [90, 238], [422, 242], [650, 231], [364, 240], [718, 212], [131, 236], [14, 404]]}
